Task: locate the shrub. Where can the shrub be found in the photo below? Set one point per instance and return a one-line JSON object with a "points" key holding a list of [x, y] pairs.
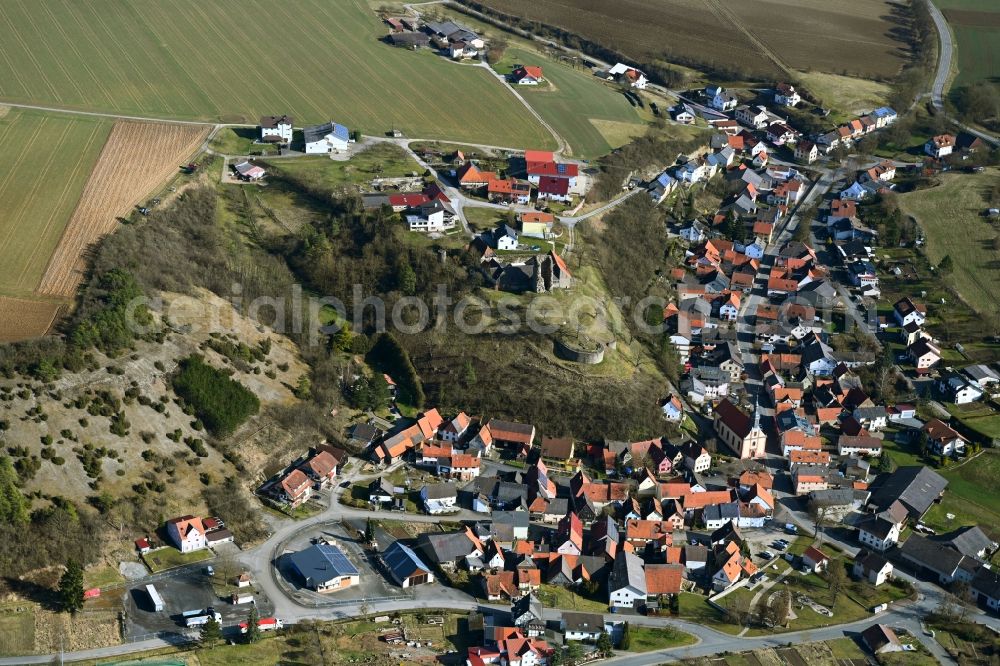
{"points": [[219, 402]]}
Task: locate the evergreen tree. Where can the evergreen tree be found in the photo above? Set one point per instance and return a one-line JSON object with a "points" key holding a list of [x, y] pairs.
{"points": [[626, 642], [604, 646], [253, 625], [469, 373], [946, 264], [574, 653], [211, 633], [343, 340], [71, 587], [407, 280], [13, 506]]}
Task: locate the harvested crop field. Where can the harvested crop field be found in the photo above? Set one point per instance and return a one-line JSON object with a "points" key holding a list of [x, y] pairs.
{"points": [[137, 158], [21, 318], [47, 158], [849, 36], [228, 62]]}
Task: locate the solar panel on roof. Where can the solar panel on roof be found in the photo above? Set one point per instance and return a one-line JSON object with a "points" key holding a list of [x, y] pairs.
{"points": [[339, 561]]}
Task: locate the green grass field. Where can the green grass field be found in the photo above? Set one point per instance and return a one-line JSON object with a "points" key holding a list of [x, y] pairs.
{"points": [[17, 631], [970, 496], [950, 217], [593, 118], [47, 160], [978, 55], [383, 160], [217, 61], [648, 639], [976, 27], [162, 559]]}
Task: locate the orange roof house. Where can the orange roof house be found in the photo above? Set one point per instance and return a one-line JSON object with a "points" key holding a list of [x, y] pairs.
{"points": [[296, 487], [663, 578]]}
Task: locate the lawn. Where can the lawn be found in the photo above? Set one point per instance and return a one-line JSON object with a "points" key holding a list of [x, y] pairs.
{"points": [[592, 117], [382, 160], [17, 630], [240, 141], [556, 596], [694, 608], [207, 61], [47, 160], [169, 558], [950, 217], [849, 96], [970, 496], [105, 576], [649, 639]]}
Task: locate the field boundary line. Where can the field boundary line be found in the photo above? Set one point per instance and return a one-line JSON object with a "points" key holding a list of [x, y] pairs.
{"points": [[42, 176], [66, 187], [727, 15]]}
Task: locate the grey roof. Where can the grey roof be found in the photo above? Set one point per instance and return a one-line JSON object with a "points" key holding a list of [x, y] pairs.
{"points": [[969, 540], [838, 496], [870, 560], [322, 563], [987, 582], [512, 518], [590, 622], [875, 525], [697, 553], [728, 532], [526, 609], [317, 132], [916, 487], [447, 547], [627, 572], [981, 372], [931, 554], [557, 506], [402, 562], [381, 485], [439, 490], [870, 413]]}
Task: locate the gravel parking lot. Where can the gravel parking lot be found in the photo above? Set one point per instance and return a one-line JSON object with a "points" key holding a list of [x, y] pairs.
{"points": [[187, 589]]}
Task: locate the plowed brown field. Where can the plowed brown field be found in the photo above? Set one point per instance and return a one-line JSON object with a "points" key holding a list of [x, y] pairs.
{"points": [[21, 319], [137, 158]]}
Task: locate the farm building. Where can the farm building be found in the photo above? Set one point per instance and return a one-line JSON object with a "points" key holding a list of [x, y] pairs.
{"points": [[326, 138], [247, 171], [405, 567], [325, 568], [410, 40]]}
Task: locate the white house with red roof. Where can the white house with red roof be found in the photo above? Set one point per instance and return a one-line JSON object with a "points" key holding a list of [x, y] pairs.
{"points": [[295, 488], [815, 559], [527, 75], [634, 77], [456, 428], [187, 533], [541, 163]]}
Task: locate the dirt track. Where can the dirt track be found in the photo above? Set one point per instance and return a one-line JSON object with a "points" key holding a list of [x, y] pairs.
{"points": [[137, 158]]}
